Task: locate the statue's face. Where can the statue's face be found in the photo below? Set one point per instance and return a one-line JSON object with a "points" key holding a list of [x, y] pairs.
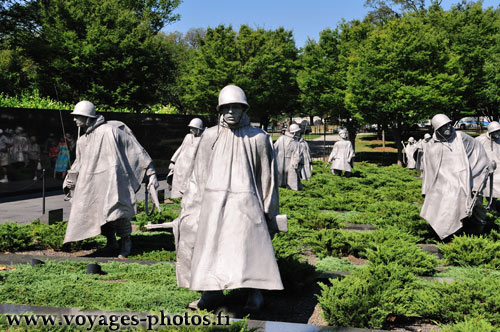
{"points": [[296, 134], [194, 131], [495, 135], [80, 120], [445, 131], [232, 113]]}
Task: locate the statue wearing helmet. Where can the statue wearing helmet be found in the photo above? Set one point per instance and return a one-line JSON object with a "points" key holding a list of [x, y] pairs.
{"points": [[223, 239], [182, 161], [342, 155], [108, 170], [421, 145], [491, 143], [289, 158], [455, 168], [410, 152]]}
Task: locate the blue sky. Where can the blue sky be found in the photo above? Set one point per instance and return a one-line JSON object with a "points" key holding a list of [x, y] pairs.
{"points": [[304, 18]]}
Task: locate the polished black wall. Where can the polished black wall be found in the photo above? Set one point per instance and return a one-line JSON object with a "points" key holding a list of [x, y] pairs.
{"points": [[160, 134]]}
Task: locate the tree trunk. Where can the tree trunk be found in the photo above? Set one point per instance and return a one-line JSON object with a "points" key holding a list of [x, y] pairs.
{"points": [[352, 130], [397, 138]]}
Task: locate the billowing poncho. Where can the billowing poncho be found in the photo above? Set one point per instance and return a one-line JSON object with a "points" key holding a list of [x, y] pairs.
{"points": [[184, 163], [452, 170], [492, 148], [288, 159], [306, 161], [223, 240], [410, 150], [341, 155], [111, 165]]}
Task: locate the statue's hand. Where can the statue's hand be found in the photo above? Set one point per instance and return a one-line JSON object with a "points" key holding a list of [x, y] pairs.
{"points": [[492, 166]]}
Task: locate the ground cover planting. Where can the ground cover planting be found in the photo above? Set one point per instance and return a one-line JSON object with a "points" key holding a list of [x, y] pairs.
{"points": [[385, 265]]}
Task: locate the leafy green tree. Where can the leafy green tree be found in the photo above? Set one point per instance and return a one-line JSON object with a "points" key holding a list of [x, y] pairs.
{"points": [[261, 62], [403, 74], [472, 33], [107, 51]]}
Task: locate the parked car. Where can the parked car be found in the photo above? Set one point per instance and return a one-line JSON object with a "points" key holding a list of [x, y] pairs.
{"points": [[471, 123]]}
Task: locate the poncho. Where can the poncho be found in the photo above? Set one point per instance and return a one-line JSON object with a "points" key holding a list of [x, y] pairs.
{"points": [[223, 240], [341, 156], [183, 160], [306, 161], [453, 169], [288, 159], [410, 150], [492, 148], [111, 165]]}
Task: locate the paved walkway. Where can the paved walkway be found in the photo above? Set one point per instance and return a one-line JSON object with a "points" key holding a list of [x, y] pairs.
{"points": [[26, 210]]}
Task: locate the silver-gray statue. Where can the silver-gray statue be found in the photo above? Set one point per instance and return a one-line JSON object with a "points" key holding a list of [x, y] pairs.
{"points": [[455, 167], [223, 239], [410, 150], [108, 170], [342, 155], [491, 143], [306, 160], [289, 159], [181, 163], [419, 154]]}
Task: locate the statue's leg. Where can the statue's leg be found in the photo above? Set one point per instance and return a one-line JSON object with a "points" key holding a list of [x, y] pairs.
{"points": [[123, 230], [477, 223], [108, 231], [210, 299], [255, 300]]}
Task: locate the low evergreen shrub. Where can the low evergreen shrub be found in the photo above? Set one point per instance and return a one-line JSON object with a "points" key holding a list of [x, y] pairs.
{"points": [[14, 237], [470, 250], [370, 295]]}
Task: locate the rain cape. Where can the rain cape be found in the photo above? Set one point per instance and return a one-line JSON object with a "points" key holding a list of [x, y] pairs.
{"points": [[410, 150], [306, 161], [184, 163], [341, 155], [453, 169], [288, 159], [492, 148], [222, 237], [111, 165]]}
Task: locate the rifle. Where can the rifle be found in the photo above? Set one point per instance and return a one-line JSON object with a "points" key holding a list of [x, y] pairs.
{"points": [[487, 175]]}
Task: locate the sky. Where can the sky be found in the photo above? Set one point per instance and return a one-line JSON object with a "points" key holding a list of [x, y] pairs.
{"points": [[305, 18]]}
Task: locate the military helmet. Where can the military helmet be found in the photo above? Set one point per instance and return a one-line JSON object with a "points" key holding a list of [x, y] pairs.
{"points": [[232, 94], [411, 140], [493, 126], [196, 123], [84, 108], [294, 128], [439, 120]]}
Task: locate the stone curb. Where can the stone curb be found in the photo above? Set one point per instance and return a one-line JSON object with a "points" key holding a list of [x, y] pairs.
{"points": [[11, 259], [267, 326]]}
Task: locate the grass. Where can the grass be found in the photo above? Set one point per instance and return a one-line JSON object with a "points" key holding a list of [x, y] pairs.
{"points": [[370, 143], [125, 287]]}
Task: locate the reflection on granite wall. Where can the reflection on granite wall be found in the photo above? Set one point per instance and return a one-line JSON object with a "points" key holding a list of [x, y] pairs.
{"points": [[160, 134]]}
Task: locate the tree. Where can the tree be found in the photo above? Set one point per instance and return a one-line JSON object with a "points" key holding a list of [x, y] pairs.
{"points": [[472, 33], [403, 74], [104, 50], [262, 63]]}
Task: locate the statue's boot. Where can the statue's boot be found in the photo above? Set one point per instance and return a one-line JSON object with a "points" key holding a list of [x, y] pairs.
{"points": [[255, 301], [125, 247], [210, 300], [111, 243]]}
